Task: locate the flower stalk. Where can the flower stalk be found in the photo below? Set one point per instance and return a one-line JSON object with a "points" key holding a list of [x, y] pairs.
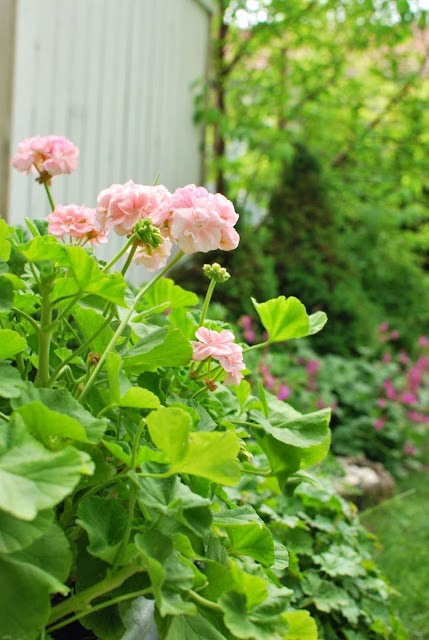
{"points": [[116, 336]]}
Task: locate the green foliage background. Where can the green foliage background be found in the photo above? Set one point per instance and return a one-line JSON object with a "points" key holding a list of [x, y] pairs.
{"points": [[316, 115]]}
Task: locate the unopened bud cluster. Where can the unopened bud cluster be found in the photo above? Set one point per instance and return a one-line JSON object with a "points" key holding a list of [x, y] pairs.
{"points": [[244, 455], [216, 272], [148, 234]]}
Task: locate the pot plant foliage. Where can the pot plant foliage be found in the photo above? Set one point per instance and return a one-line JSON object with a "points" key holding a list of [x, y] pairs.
{"points": [[125, 415]]}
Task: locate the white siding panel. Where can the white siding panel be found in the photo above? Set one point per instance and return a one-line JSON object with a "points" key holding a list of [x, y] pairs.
{"points": [[116, 78]]}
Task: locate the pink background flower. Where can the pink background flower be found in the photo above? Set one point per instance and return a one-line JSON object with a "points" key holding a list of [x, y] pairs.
{"points": [[54, 155], [76, 221]]}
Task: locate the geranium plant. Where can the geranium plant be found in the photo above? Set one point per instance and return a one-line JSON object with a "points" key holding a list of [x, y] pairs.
{"points": [[124, 414]]}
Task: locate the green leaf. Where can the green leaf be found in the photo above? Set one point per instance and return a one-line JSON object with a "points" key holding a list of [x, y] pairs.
{"points": [[24, 582], [16, 534], [283, 318], [283, 458], [174, 505], [61, 401], [6, 294], [291, 427], [316, 322], [193, 452], [281, 556], [169, 429], [263, 398], [192, 628], [169, 577], [11, 343], [326, 596], [242, 391], [213, 456], [89, 321], [104, 470], [340, 560], [245, 514], [301, 626], [114, 366], [165, 291], [253, 587], [43, 421], [31, 576], [33, 478], [64, 288], [165, 347], [263, 622], [4, 244], [182, 319], [50, 552], [17, 283], [314, 455], [105, 521], [11, 383], [206, 422], [90, 279], [45, 248], [252, 540], [139, 399]]}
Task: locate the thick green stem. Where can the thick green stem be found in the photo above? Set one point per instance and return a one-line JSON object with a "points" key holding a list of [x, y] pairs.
{"points": [[122, 326], [102, 605], [207, 301], [45, 337], [119, 254], [80, 601]]}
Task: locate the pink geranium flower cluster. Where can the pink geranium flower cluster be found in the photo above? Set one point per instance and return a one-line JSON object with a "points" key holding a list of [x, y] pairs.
{"points": [[49, 155], [191, 217], [78, 222], [220, 347], [121, 206]]}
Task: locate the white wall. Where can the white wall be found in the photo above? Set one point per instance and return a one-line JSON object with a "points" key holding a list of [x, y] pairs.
{"points": [[113, 76]]}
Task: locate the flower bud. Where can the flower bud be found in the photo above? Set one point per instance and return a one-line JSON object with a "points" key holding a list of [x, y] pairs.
{"points": [[216, 272], [148, 234], [244, 455]]}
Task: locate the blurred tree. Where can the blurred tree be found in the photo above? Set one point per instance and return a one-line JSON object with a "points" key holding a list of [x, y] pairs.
{"points": [[318, 112]]}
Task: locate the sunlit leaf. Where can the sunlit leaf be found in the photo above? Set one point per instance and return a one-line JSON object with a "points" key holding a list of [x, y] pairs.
{"points": [[192, 452], [165, 347], [11, 343]]}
